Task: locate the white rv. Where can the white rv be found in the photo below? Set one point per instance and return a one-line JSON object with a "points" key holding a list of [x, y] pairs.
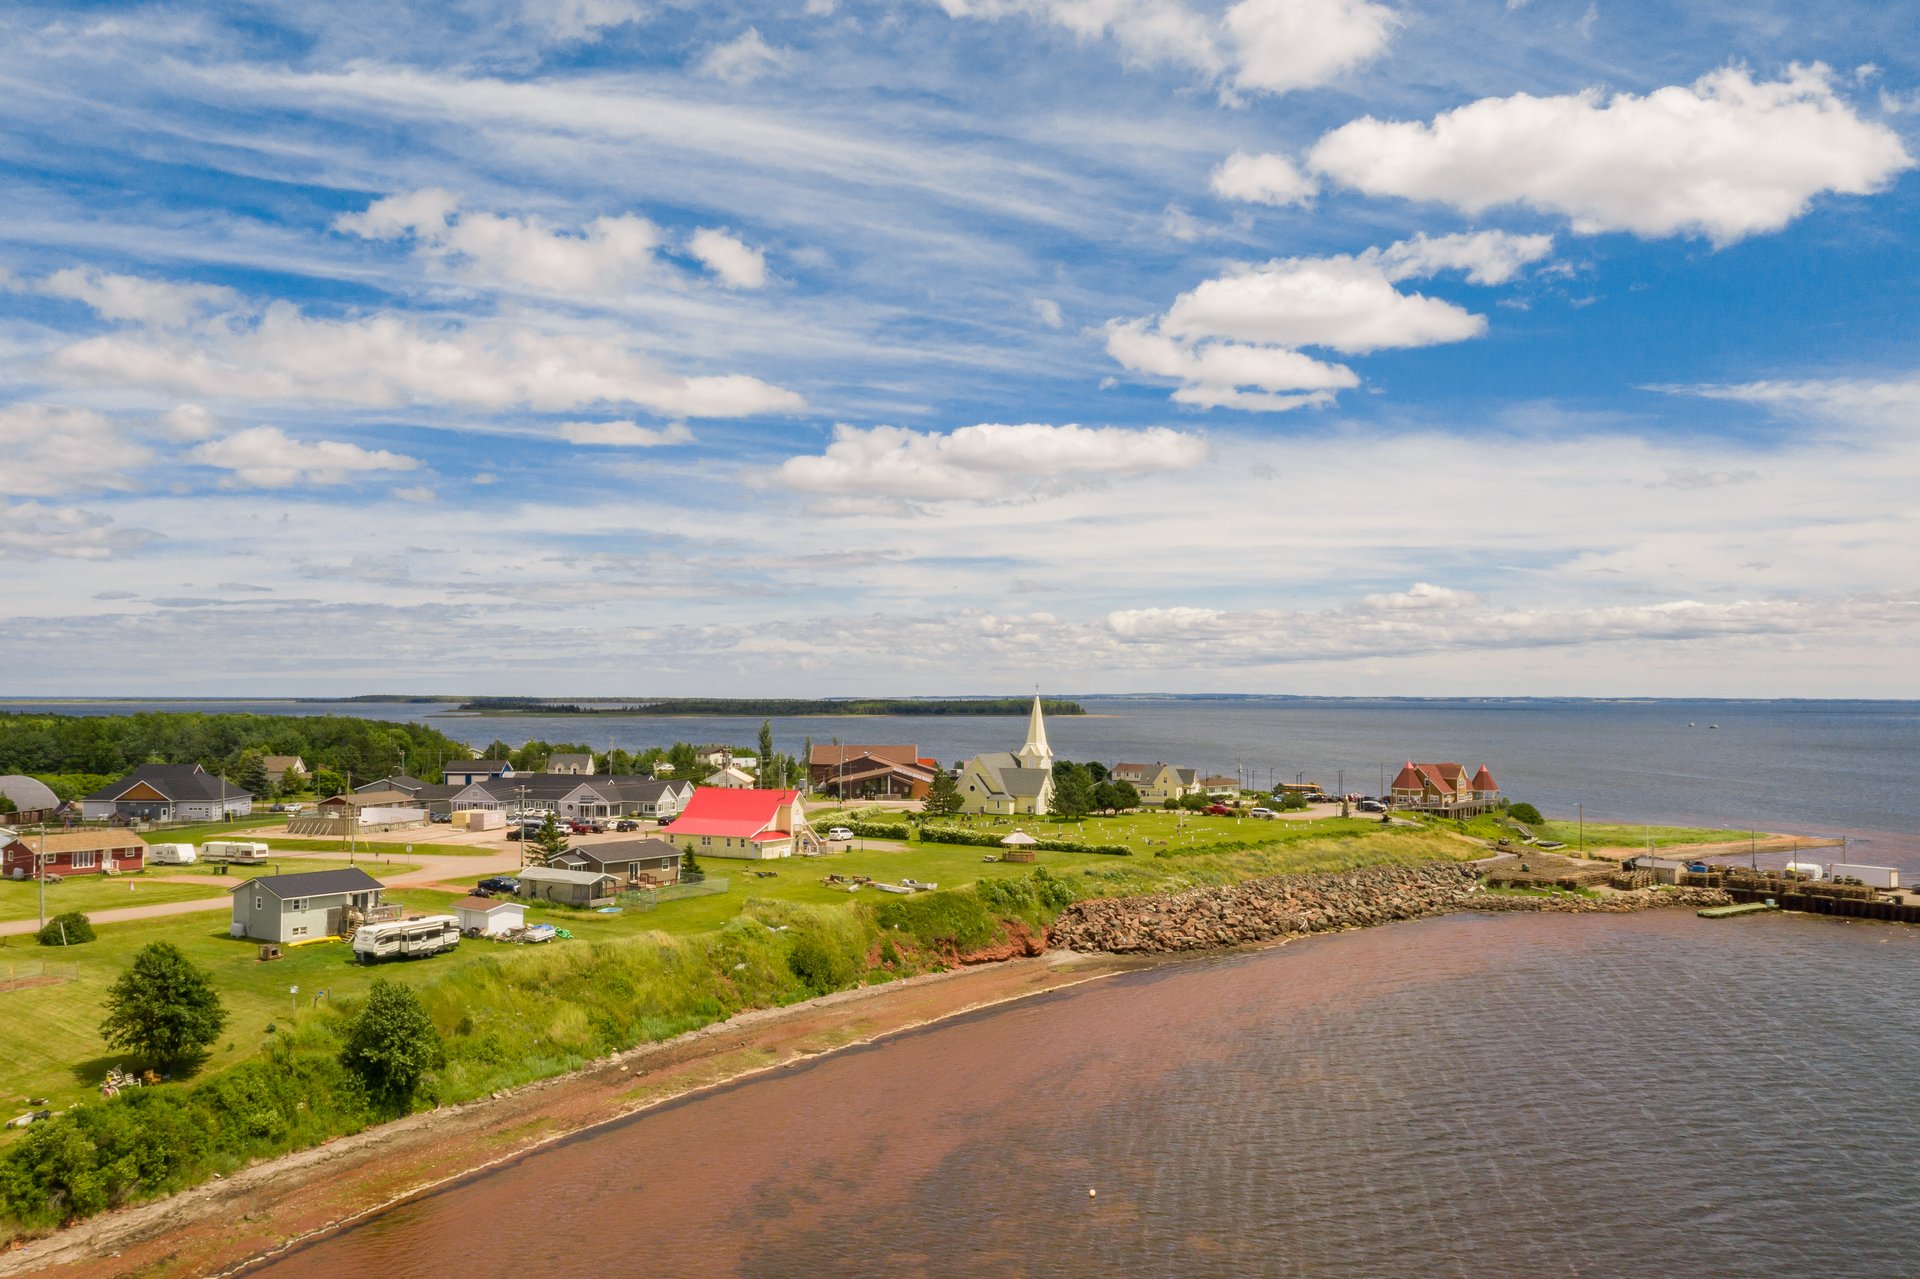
{"points": [[239, 851], [406, 938], [170, 854]]}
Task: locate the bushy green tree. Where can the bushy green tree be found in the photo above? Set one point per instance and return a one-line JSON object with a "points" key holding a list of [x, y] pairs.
{"points": [[392, 1043], [943, 799], [1526, 813], [1072, 791], [163, 1009], [250, 773], [327, 783], [766, 748], [68, 929], [294, 782]]}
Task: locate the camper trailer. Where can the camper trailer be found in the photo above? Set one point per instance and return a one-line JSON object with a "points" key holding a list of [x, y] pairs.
{"points": [[170, 854], [406, 938], [239, 851]]}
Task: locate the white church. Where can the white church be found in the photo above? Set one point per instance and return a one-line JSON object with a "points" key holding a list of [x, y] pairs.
{"points": [[1009, 784]]}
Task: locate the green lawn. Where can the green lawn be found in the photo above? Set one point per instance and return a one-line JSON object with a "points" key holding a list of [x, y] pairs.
{"points": [[1604, 835], [50, 1042], [20, 899]]}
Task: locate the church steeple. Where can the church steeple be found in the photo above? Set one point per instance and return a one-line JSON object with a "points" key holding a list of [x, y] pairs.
{"points": [[1036, 753]]}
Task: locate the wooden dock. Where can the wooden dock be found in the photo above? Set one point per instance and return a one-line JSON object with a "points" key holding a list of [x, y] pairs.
{"points": [[1741, 908]]}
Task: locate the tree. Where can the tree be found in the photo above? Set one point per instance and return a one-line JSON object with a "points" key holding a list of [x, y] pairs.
{"points": [[250, 773], [1129, 794], [806, 761], [766, 753], [392, 1044], [548, 844], [943, 800], [163, 1009], [1072, 790], [294, 782], [327, 783], [1525, 813], [685, 759], [68, 929], [8, 806]]}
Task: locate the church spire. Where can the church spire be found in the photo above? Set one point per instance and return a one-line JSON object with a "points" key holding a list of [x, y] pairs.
{"points": [[1036, 753]]}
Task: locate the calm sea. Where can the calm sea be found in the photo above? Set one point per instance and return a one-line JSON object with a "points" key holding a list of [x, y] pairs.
{"points": [[1471, 1096], [1805, 767]]}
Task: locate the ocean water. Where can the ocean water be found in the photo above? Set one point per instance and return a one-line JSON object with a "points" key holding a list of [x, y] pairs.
{"points": [[1819, 768], [1473, 1096]]}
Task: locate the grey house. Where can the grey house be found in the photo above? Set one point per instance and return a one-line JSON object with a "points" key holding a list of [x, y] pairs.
{"points": [[627, 860], [567, 887], [303, 907]]}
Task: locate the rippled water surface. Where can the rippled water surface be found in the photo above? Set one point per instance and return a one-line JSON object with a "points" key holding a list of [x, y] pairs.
{"points": [[1471, 1096]]}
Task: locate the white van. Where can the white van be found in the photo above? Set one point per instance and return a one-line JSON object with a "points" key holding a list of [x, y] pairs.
{"points": [[1263, 813], [406, 938], [239, 851], [170, 855]]}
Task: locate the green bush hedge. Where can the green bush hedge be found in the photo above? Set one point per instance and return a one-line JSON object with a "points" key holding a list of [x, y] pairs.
{"points": [[69, 929], [984, 839]]}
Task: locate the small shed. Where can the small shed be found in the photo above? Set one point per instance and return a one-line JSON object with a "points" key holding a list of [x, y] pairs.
{"points": [[567, 887], [489, 916]]}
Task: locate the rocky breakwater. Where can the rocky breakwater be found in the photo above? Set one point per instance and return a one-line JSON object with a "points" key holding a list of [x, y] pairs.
{"points": [[1605, 904], [1263, 909]]}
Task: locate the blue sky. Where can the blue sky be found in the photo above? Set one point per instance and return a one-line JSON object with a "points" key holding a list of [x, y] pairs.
{"points": [[610, 346]]}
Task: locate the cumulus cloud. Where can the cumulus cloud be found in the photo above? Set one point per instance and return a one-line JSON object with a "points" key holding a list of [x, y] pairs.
{"points": [[738, 265], [418, 493], [1233, 341], [1047, 311], [33, 530], [1216, 374], [1725, 157], [50, 449], [188, 422], [387, 360], [144, 301], [987, 462], [629, 435], [606, 256], [267, 457], [745, 58], [1262, 46], [1262, 179]]}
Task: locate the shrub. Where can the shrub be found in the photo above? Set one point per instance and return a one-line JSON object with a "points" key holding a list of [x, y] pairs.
{"points": [[879, 830], [1525, 813], [392, 1044], [69, 929], [821, 968], [941, 921], [986, 839]]}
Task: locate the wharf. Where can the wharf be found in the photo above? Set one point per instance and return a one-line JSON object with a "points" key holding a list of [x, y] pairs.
{"points": [[1741, 908], [1814, 897]]}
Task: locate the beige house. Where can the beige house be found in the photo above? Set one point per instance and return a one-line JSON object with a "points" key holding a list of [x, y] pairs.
{"points": [[278, 766], [1158, 783], [573, 765], [1009, 784]]}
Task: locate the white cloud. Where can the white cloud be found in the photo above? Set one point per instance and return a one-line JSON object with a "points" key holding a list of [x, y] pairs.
{"points": [[49, 449], [738, 265], [745, 58], [1726, 157], [1348, 304], [1269, 46], [267, 457], [388, 360], [188, 422], [1262, 179], [1213, 374], [1868, 402], [582, 19], [1421, 597], [127, 297], [33, 531], [605, 257], [986, 462], [1297, 44], [418, 493], [624, 434], [1487, 257], [1047, 311]]}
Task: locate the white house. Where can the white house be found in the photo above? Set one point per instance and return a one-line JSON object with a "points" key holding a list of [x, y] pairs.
{"points": [[489, 916]]}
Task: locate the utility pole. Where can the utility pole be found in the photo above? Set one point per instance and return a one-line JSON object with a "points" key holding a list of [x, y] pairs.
{"points": [[1341, 784], [40, 867], [1581, 809]]}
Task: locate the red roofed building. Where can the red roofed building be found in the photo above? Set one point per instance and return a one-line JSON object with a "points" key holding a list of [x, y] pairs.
{"points": [[755, 825], [1444, 787]]}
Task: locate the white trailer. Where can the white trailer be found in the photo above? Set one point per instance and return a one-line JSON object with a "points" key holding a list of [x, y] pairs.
{"points": [[1872, 876], [239, 851], [170, 855], [406, 938], [1806, 870]]}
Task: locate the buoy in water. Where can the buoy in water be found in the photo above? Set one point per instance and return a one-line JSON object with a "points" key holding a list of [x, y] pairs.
{"points": [[1091, 1192]]}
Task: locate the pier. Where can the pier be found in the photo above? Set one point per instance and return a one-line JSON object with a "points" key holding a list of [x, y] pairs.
{"points": [[1814, 897]]}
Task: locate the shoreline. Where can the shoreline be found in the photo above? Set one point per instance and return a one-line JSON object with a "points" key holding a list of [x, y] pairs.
{"points": [[224, 1226]]}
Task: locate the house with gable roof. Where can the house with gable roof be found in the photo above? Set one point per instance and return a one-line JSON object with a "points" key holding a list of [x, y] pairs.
{"points": [[1444, 787], [167, 793], [755, 825]]}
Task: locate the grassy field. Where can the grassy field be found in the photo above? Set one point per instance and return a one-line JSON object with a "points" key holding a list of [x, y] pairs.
{"points": [[20, 899], [49, 1036], [1612, 836]]}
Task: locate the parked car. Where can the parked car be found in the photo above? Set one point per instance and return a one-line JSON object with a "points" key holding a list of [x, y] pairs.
{"points": [[1219, 810], [500, 884], [839, 832], [519, 832], [1261, 813], [276, 808], [441, 817], [1371, 806], [626, 824], [666, 820]]}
